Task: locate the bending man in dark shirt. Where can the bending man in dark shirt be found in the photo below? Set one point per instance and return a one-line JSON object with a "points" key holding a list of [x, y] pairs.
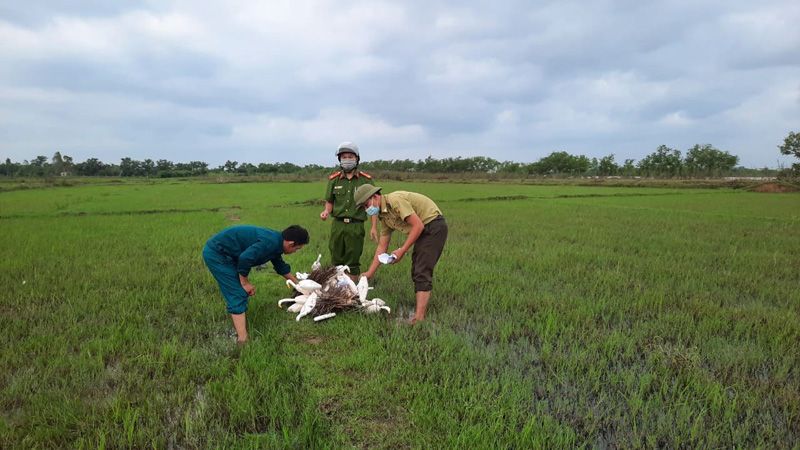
{"points": [[231, 253]]}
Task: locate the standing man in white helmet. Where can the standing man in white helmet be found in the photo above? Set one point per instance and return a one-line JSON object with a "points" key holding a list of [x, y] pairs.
{"points": [[347, 231]]}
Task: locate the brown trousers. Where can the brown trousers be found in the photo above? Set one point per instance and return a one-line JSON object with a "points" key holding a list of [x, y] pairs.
{"points": [[427, 251]]}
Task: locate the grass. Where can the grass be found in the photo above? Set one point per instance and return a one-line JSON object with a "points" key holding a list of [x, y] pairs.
{"points": [[562, 317]]}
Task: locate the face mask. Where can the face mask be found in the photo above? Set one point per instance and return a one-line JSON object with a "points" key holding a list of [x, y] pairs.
{"points": [[372, 210], [347, 164]]}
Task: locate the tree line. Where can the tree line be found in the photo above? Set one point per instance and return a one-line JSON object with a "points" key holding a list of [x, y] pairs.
{"points": [[699, 161]]}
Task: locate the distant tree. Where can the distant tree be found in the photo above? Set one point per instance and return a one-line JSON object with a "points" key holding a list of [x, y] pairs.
{"points": [[58, 163], [128, 167], [91, 167], [664, 162], [405, 165], [594, 166], [607, 166], [230, 166], [557, 162], [791, 147], [313, 168], [486, 165], [246, 169], [629, 168], [560, 162], [163, 165], [37, 167], [509, 167], [69, 166], [534, 168], [288, 167], [9, 169], [430, 165], [109, 170], [706, 160], [147, 168], [39, 161], [267, 168], [399, 165], [581, 164], [193, 167], [198, 167]]}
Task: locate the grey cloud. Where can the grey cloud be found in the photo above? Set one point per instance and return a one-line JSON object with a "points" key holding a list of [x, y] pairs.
{"points": [[37, 13], [574, 76]]}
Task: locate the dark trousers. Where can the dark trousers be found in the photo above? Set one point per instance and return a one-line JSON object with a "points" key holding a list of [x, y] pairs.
{"points": [[224, 270], [427, 250]]}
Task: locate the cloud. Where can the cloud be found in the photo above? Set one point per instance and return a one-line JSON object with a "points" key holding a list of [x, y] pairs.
{"points": [[676, 119], [284, 80], [324, 132]]}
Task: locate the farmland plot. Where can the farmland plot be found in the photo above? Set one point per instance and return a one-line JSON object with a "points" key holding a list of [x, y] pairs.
{"points": [[561, 316]]}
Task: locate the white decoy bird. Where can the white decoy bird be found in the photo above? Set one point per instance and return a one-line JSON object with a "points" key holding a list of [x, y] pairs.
{"points": [[324, 316], [299, 299], [305, 287], [316, 264], [338, 279], [344, 280], [374, 307], [301, 276], [285, 300], [295, 308], [362, 287], [374, 301], [308, 306]]}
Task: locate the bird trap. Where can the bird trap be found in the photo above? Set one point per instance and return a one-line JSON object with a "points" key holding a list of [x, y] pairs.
{"points": [[335, 293]]}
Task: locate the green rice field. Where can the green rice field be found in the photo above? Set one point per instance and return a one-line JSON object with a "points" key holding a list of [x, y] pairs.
{"points": [[561, 317]]}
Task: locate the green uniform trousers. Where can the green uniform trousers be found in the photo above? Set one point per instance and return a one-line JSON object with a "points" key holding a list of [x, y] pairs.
{"points": [[346, 244]]}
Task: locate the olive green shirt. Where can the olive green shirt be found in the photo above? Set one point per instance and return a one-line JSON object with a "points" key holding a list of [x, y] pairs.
{"points": [[340, 192], [398, 205]]}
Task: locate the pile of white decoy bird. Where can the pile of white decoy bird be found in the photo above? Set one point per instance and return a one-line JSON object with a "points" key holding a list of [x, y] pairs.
{"points": [[327, 290]]}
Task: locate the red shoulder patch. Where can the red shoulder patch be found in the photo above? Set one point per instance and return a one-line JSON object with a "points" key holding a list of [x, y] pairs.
{"points": [[366, 175], [334, 175]]}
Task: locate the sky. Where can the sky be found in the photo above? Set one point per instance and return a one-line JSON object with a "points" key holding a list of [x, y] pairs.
{"points": [[276, 81]]}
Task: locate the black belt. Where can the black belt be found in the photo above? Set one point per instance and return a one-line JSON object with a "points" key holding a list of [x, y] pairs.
{"points": [[348, 220], [439, 217]]}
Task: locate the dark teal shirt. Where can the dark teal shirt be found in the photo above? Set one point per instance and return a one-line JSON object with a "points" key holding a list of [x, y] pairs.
{"points": [[250, 246]]}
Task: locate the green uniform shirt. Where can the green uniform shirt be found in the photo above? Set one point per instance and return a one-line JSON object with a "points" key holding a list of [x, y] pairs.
{"points": [[398, 205], [340, 192], [250, 246]]}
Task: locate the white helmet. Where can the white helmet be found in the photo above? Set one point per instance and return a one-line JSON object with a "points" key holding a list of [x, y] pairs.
{"points": [[348, 147]]}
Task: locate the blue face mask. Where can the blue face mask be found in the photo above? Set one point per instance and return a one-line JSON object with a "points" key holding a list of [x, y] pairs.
{"points": [[373, 210]]}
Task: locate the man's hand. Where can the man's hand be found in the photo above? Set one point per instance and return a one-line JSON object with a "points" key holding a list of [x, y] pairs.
{"points": [[368, 275], [324, 215], [398, 255], [249, 288], [373, 234]]}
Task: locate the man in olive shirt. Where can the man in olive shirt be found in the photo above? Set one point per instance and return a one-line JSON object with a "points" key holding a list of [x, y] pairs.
{"points": [[419, 217], [347, 231]]}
